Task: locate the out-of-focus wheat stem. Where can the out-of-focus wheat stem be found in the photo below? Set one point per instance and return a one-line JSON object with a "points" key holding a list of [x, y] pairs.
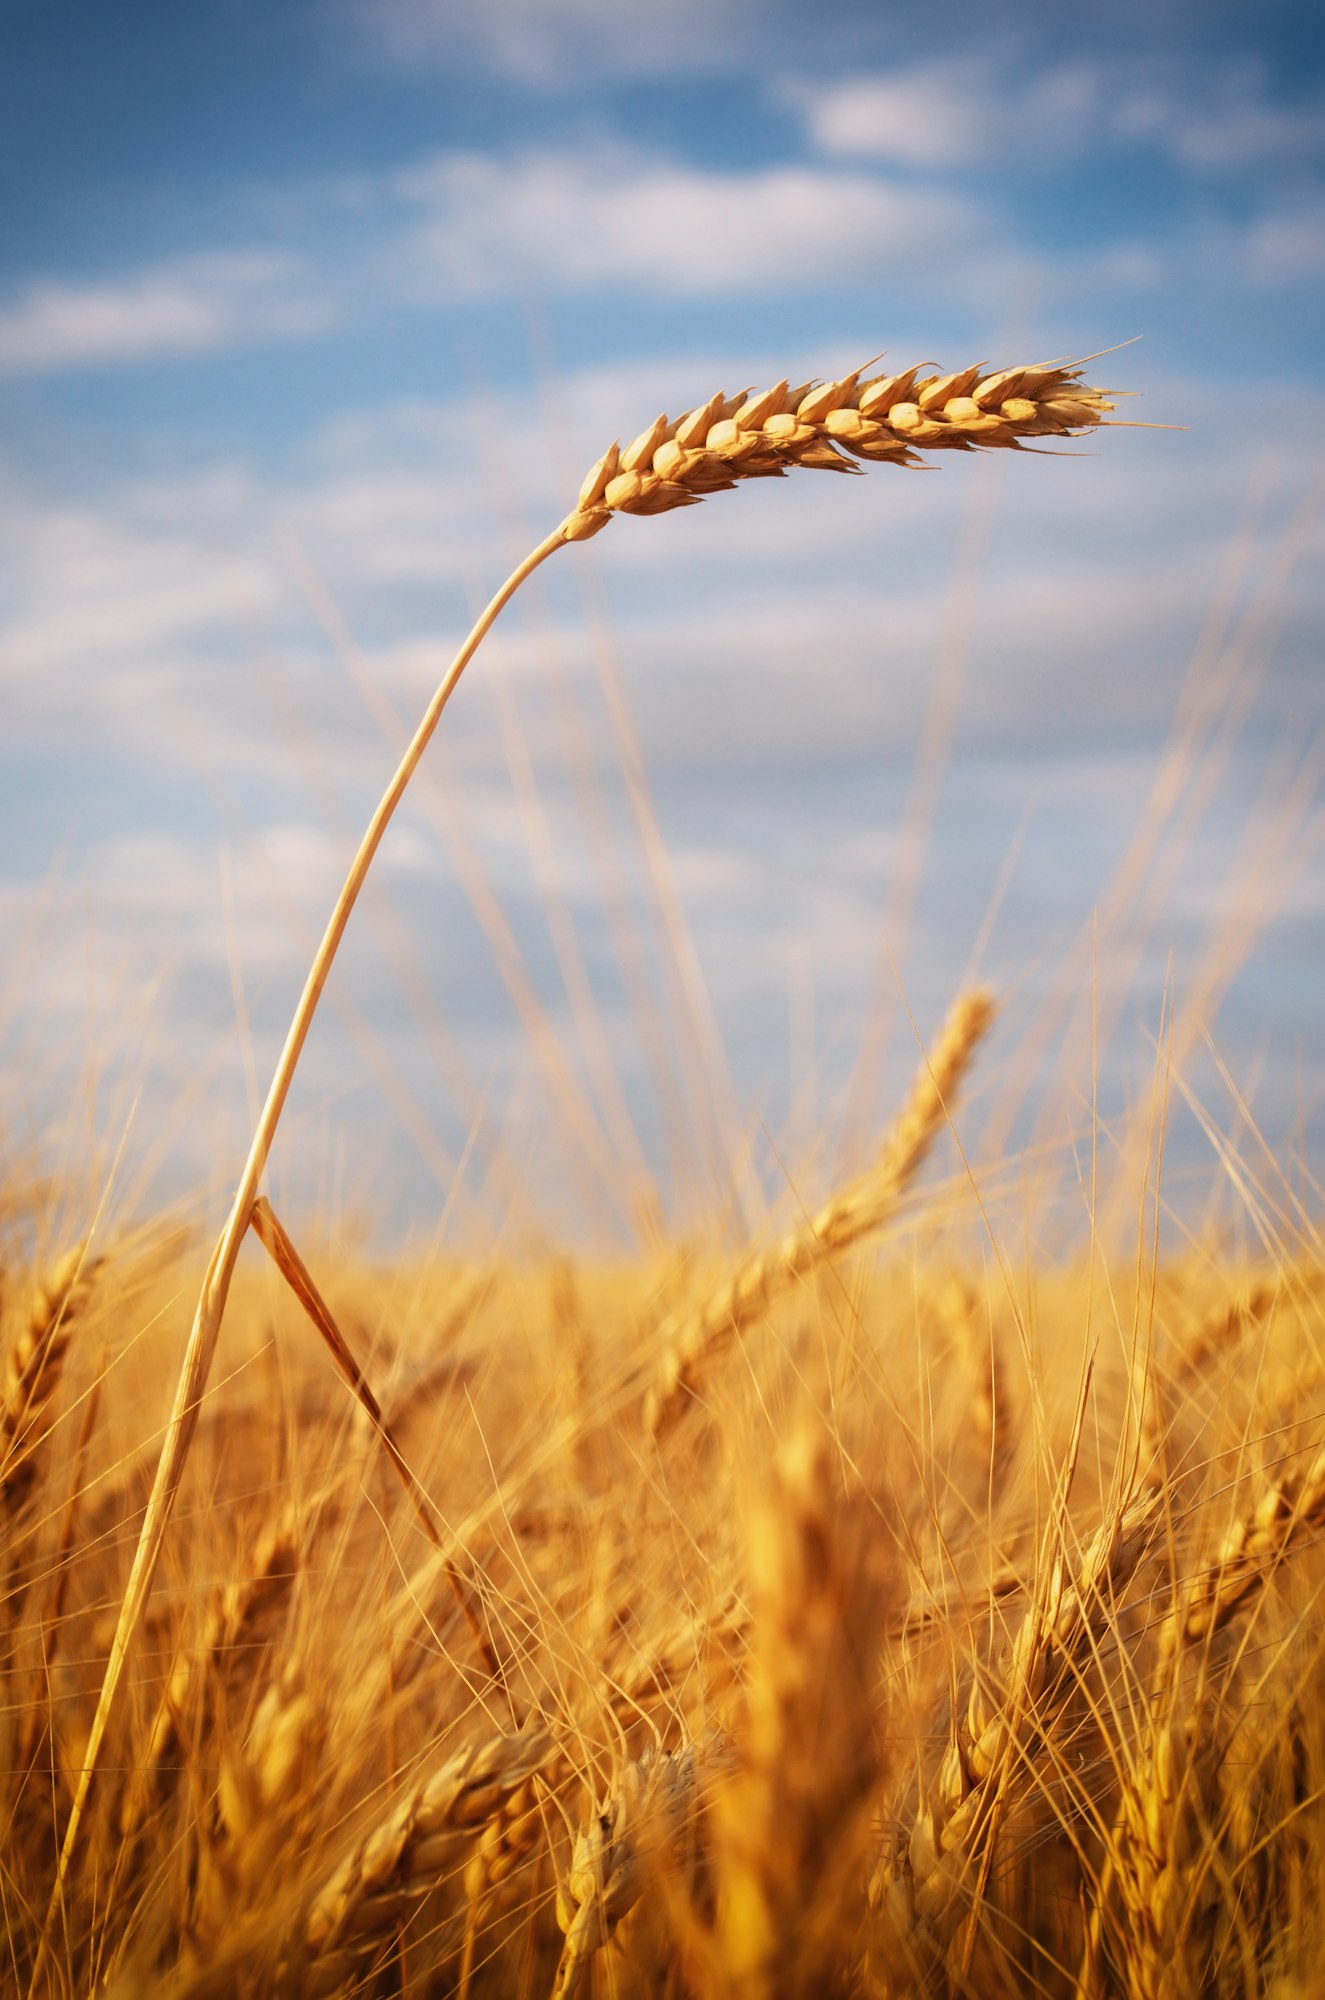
{"points": [[690, 1339]]}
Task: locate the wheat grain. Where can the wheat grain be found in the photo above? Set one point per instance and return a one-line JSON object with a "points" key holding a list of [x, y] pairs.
{"points": [[690, 1340], [1257, 1542]]}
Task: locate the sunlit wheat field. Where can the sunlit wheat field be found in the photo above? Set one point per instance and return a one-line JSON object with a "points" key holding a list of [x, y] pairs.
{"points": [[893, 1570]]}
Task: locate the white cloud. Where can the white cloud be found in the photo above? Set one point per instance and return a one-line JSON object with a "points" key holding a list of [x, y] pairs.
{"points": [[955, 113], [778, 648], [1223, 122], [190, 306], [988, 110], [619, 216]]}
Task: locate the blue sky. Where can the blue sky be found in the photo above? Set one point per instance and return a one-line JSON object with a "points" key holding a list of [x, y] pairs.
{"points": [[310, 318]]}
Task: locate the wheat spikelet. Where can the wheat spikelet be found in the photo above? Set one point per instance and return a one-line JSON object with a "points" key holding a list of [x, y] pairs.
{"points": [[233, 1614], [828, 426], [266, 1790], [1284, 1510], [690, 1340], [499, 1875], [34, 1365], [1221, 1327], [926, 1883], [1161, 1864], [1163, 1880], [390, 1872], [621, 1850]]}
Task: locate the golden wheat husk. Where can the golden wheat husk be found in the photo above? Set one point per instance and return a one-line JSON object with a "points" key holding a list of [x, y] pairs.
{"points": [[1170, 1859], [623, 1849], [690, 1340], [1281, 1512], [266, 1791], [929, 1879]]}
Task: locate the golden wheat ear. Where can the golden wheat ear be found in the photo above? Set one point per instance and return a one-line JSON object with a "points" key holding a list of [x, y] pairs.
{"points": [[690, 1340], [826, 426]]}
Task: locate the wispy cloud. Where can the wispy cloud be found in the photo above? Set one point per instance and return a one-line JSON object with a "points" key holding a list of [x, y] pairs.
{"points": [[954, 113], [621, 216], [986, 109], [192, 305], [553, 43]]}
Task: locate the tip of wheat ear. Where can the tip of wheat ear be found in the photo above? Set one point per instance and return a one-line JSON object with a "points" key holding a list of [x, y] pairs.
{"points": [[828, 426]]}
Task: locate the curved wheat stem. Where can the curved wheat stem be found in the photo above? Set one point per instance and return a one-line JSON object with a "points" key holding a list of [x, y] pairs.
{"points": [[671, 464]]}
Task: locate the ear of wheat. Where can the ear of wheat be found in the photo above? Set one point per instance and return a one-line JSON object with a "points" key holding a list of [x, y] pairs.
{"points": [[691, 1340], [34, 1366], [831, 425], [827, 427], [390, 1872]]}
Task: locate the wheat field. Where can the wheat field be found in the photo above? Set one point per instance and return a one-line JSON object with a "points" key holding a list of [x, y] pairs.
{"points": [[918, 1597]]}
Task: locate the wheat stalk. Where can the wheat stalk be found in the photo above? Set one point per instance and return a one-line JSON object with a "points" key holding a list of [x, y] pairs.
{"points": [[668, 465], [691, 1339], [788, 1823]]}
